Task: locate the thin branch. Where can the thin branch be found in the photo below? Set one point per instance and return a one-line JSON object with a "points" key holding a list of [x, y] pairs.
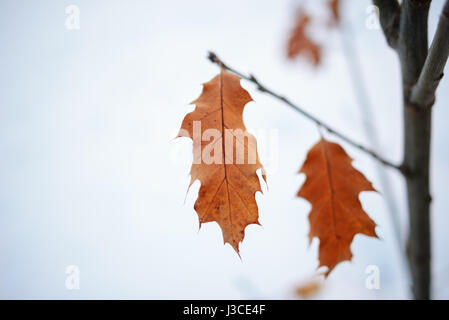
{"points": [[389, 11], [423, 92], [213, 58]]}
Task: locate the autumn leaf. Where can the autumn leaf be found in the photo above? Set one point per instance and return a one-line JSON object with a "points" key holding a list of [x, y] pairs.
{"points": [[225, 158], [334, 8], [310, 288], [332, 187], [299, 42]]}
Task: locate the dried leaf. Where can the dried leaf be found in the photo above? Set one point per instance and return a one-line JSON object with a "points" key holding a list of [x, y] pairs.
{"points": [[332, 187], [310, 288], [334, 8], [225, 158], [299, 42]]}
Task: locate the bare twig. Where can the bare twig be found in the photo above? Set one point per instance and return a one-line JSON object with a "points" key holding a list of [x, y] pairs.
{"points": [[213, 58], [423, 92]]}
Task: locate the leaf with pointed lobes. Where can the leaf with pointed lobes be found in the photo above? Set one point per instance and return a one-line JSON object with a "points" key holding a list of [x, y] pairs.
{"points": [[225, 158], [300, 43], [332, 187]]}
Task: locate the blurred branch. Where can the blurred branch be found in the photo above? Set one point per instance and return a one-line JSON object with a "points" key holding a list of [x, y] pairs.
{"points": [[361, 93], [389, 19], [423, 92], [213, 58]]}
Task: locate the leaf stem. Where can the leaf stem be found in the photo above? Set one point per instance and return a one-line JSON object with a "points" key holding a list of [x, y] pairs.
{"points": [[214, 58]]}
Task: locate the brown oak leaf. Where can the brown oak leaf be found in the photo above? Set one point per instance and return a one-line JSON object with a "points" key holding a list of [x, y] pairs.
{"points": [[299, 42], [332, 187], [310, 288], [225, 158], [334, 8]]}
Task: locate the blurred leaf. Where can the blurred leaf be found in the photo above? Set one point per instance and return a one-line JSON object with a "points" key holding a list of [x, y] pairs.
{"points": [[300, 43]]}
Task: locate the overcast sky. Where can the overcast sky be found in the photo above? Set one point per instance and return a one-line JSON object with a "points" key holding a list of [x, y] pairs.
{"points": [[90, 175]]}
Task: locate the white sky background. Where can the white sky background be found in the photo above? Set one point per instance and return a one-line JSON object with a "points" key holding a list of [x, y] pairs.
{"points": [[89, 175]]}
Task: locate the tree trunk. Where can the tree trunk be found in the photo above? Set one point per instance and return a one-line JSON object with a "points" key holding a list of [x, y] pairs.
{"points": [[405, 28], [417, 129], [412, 48]]}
